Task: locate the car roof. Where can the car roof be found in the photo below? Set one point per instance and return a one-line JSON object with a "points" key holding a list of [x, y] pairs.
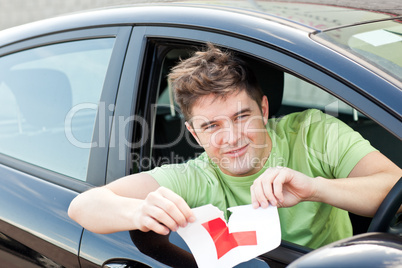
{"points": [[316, 16], [302, 16]]}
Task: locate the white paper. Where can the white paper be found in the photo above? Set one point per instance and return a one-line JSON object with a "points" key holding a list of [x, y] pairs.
{"points": [[259, 229]]}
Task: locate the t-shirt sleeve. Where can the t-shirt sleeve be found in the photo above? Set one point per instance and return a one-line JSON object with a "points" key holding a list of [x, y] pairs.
{"points": [[355, 147], [193, 180], [342, 147], [172, 177]]}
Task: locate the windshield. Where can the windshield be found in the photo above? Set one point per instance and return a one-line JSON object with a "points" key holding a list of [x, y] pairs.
{"points": [[377, 43]]}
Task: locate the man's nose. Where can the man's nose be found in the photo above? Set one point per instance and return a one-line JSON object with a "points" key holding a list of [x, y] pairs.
{"points": [[232, 134]]}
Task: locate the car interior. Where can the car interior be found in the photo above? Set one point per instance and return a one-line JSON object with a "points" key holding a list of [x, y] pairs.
{"points": [[286, 94]]}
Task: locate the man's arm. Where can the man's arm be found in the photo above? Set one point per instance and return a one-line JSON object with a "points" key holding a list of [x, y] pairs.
{"points": [[135, 202], [361, 193], [365, 188]]}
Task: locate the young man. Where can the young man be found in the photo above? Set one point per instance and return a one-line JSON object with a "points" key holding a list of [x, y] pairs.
{"points": [[291, 163]]}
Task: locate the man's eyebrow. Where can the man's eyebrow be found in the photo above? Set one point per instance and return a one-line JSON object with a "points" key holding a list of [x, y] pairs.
{"points": [[245, 110], [203, 125], [207, 123]]}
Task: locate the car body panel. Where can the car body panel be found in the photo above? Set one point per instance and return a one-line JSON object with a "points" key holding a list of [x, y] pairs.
{"points": [[305, 15], [114, 247], [365, 250], [52, 234]]}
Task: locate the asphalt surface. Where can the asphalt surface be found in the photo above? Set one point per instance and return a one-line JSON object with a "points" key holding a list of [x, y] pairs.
{"points": [[16, 12]]}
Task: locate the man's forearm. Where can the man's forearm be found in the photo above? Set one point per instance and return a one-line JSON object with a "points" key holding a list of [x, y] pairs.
{"points": [[359, 195], [109, 209], [99, 210]]}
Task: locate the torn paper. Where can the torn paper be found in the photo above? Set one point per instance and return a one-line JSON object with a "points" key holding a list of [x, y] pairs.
{"points": [[249, 233]]}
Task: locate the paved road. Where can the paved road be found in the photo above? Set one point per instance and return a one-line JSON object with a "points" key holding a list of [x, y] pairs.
{"points": [[16, 12]]}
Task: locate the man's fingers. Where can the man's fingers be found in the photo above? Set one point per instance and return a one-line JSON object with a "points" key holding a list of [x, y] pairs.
{"points": [[268, 188], [278, 185], [254, 200], [178, 206], [150, 223], [261, 194], [269, 181], [257, 195], [164, 218], [165, 210]]}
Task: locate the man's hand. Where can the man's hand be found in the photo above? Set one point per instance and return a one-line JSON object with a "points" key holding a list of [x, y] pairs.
{"points": [[163, 210], [282, 187], [134, 202], [361, 193]]}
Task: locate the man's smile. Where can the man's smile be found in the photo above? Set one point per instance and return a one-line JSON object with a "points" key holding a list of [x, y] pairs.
{"points": [[237, 152]]}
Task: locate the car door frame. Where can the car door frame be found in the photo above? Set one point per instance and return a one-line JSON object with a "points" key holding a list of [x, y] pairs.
{"points": [[101, 137], [308, 67], [52, 235]]}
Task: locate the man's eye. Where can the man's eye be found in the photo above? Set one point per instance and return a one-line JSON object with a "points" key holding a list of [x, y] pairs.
{"points": [[242, 116], [210, 127]]}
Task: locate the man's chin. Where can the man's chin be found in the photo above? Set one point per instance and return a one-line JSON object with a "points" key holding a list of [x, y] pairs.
{"points": [[240, 172]]}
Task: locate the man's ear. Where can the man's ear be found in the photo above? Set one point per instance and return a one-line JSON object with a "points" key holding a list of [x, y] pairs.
{"points": [[265, 109], [192, 131]]}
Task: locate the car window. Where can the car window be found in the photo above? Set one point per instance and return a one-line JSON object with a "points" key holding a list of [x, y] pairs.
{"points": [[377, 43], [49, 100], [172, 143], [300, 95]]}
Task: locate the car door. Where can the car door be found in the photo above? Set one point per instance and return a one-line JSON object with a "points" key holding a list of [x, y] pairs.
{"points": [[53, 90], [141, 94], [161, 48], [118, 249], [133, 131]]}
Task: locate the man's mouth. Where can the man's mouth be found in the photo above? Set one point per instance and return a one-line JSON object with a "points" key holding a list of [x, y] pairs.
{"points": [[237, 152]]}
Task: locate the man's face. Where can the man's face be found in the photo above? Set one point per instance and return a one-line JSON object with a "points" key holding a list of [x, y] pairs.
{"points": [[232, 132]]}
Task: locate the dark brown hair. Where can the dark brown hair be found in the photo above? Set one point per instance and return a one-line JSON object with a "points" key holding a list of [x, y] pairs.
{"points": [[212, 71]]}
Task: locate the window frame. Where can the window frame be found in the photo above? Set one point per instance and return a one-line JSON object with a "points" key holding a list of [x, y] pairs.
{"points": [[98, 155], [147, 38], [132, 85]]}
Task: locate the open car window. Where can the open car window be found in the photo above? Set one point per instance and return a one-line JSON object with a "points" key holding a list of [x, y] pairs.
{"points": [[299, 95], [171, 143]]}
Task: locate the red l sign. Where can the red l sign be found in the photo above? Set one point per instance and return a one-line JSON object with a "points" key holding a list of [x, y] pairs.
{"points": [[225, 241]]}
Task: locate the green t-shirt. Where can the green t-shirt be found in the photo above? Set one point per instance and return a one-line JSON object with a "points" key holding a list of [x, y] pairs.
{"points": [[310, 142]]}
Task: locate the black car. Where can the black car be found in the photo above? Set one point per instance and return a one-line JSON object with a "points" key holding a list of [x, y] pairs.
{"points": [[84, 100]]}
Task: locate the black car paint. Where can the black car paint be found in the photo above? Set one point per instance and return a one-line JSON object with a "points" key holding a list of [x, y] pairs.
{"points": [[35, 216], [28, 191], [365, 250]]}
